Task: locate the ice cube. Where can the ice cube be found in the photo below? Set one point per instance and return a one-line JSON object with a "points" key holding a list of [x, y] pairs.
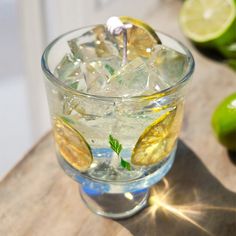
{"points": [[168, 63], [130, 80], [94, 79], [94, 44], [98, 72], [107, 66], [69, 71], [156, 83], [77, 82], [67, 67]]}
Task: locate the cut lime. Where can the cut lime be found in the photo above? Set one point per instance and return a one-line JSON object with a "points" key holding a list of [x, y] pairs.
{"points": [[158, 139], [210, 21], [71, 144], [141, 38], [224, 122]]}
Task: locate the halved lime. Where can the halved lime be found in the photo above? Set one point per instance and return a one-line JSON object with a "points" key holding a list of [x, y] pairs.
{"points": [[71, 144], [158, 139], [209, 21], [224, 122], [141, 38]]}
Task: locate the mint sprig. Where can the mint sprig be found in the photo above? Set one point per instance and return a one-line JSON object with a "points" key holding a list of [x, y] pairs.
{"points": [[117, 148], [109, 69], [115, 145], [125, 164]]}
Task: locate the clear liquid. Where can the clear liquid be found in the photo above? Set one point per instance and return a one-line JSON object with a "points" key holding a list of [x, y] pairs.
{"points": [[157, 142], [123, 182]]}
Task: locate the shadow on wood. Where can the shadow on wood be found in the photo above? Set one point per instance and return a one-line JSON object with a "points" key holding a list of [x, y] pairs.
{"points": [[210, 53], [232, 156], [197, 203]]}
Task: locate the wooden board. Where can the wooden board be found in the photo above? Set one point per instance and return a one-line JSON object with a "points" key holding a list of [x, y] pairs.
{"points": [[37, 198]]}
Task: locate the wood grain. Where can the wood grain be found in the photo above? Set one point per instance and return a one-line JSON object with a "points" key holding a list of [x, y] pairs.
{"points": [[37, 198]]}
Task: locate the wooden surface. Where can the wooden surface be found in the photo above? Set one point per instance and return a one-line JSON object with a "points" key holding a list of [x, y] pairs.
{"points": [[37, 198]]}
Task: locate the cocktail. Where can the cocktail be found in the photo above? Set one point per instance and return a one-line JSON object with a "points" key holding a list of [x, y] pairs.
{"points": [[116, 95]]}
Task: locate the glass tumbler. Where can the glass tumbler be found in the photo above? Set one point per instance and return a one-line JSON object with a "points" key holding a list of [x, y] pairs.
{"points": [[83, 124]]}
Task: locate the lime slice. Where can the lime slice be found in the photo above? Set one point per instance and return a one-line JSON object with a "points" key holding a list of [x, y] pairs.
{"points": [[141, 38], [71, 145], [224, 122], [158, 139], [209, 21]]}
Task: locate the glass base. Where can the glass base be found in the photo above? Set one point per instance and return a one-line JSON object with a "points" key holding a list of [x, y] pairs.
{"points": [[115, 205], [119, 199]]}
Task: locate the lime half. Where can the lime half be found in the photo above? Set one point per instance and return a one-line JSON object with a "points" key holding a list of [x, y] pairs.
{"points": [[209, 21], [141, 38], [71, 145], [224, 122]]}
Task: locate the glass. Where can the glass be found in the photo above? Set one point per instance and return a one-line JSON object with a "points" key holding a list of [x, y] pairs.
{"points": [[147, 126]]}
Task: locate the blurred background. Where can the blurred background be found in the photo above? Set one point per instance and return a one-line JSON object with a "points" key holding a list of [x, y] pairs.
{"points": [[26, 27]]}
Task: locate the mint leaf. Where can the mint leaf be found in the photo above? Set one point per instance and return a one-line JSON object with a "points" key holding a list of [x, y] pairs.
{"points": [[74, 85], [125, 164], [110, 69], [115, 145]]}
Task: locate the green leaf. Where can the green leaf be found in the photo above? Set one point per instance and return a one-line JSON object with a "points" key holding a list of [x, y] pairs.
{"points": [[74, 85], [125, 164], [115, 145], [109, 69]]}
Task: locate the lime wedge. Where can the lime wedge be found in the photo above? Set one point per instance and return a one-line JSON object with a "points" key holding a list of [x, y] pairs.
{"points": [[158, 139], [141, 38], [71, 144], [209, 21]]}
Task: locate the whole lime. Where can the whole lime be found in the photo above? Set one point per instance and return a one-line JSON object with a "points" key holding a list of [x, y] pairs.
{"points": [[224, 122]]}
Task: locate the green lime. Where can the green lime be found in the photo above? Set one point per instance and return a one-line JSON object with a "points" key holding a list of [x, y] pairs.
{"points": [[224, 122], [209, 23]]}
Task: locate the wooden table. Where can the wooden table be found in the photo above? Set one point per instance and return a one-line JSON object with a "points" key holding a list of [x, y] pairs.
{"points": [[37, 198]]}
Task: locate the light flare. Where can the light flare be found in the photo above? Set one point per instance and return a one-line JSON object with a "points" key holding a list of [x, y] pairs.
{"points": [[160, 199]]}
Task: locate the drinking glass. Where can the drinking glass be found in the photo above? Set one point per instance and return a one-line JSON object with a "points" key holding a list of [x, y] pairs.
{"points": [[82, 124]]}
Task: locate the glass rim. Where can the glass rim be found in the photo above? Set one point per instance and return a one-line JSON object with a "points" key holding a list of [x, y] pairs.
{"points": [[50, 75]]}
